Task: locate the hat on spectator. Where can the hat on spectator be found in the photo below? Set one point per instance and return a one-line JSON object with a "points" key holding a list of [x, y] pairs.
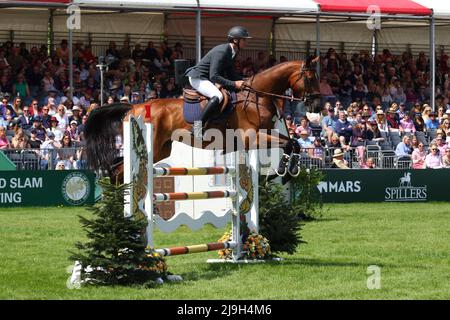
{"points": [[402, 104], [391, 110], [76, 108], [50, 135], [52, 101], [53, 119], [432, 113], [288, 117], [135, 93], [380, 112], [124, 99], [366, 115], [447, 111], [52, 90], [37, 119], [33, 131], [303, 132], [338, 153], [73, 122]]}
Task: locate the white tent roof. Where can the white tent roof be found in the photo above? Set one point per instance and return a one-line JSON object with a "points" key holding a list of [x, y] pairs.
{"points": [[248, 6], [440, 8]]}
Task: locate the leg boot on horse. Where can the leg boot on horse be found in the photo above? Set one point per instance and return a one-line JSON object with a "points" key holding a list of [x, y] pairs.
{"points": [[211, 108]]}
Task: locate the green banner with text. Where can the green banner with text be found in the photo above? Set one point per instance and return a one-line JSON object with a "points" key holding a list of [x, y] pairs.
{"points": [[46, 188], [375, 185]]}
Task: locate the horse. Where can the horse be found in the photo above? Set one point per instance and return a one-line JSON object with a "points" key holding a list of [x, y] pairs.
{"points": [[260, 100]]}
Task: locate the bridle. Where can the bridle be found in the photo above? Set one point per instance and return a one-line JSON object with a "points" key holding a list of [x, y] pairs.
{"points": [[301, 76]]}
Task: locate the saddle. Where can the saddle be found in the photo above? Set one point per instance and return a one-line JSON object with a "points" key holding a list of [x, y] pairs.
{"points": [[195, 102]]}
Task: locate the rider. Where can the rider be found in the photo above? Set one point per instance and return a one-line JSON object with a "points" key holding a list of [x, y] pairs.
{"points": [[217, 66]]}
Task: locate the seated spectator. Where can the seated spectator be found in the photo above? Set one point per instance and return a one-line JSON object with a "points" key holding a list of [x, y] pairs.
{"points": [[73, 131], [318, 151], [63, 119], [414, 142], [338, 160], [304, 126], [34, 108], [433, 159], [25, 120], [369, 164], [382, 123], [57, 133], [76, 115], [35, 143], [446, 159], [418, 157], [60, 165], [48, 152], [20, 140], [403, 149], [440, 141], [304, 140], [289, 123], [41, 133], [67, 152], [419, 124], [432, 123], [4, 142], [376, 133], [445, 126], [401, 111], [343, 128], [328, 123], [45, 117], [393, 121], [426, 112], [407, 124]]}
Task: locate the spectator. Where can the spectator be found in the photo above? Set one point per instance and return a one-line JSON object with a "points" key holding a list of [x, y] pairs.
{"points": [[61, 165], [48, 151], [303, 126], [18, 106], [73, 131], [407, 125], [34, 108], [338, 160], [35, 143], [343, 128], [419, 124], [40, 130], [61, 116], [440, 141], [318, 151], [403, 149], [67, 152], [45, 118], [445, 125], [432, 123], [25, 121], [76, 115], [4, 142], [433, 160], [20, 87], [393, 121], [328, 123], [20, 140], [369, 164], [304, 140], [445, 159], [418, 157], [382, 123], [426, 112], [57, 133]]}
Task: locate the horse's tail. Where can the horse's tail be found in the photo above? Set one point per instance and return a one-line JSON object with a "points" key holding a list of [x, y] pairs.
{"points": [[102, 127]]}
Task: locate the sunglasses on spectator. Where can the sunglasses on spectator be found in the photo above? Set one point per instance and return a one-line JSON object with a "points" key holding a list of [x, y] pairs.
{"points": [[433, 149], [25, 110]]}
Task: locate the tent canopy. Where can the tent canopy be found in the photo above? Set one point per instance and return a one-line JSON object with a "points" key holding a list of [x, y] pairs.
{"points": [[386, 6], [261, 6]]}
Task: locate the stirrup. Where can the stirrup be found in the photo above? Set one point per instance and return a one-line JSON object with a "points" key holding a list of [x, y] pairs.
{"points": [[283, 164]]}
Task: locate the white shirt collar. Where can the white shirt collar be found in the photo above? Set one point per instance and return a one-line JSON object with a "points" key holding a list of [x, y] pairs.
{"points": [[233, 52]]}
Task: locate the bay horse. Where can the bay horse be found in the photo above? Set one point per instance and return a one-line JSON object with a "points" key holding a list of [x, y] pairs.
{"points": [[261, 99]]}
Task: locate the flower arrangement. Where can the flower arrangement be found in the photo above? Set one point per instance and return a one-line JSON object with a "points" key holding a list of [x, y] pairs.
{"points": [[255, 246]]}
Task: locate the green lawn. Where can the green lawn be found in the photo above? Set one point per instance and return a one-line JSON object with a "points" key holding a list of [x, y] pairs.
{"points": [[409, 242]]}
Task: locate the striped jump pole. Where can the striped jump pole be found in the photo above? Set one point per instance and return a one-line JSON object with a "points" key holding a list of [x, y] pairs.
{"points": [[213, 246], [201, 171], [176, 196]]}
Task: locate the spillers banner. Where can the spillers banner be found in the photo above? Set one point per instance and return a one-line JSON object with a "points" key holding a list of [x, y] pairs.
{"points": [[46, 188], [385, 185]]}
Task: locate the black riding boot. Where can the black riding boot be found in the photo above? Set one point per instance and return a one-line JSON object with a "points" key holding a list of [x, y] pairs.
{"points": [[210, 109]]}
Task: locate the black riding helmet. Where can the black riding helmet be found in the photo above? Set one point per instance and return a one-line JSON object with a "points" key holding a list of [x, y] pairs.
{"points": [[238, 32]]}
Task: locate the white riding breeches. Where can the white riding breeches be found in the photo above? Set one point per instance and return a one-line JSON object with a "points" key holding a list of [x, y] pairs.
{"points": [[206, 88]]}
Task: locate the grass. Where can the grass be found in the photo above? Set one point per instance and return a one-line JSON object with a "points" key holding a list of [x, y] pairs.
{"points": [[409, 242]]}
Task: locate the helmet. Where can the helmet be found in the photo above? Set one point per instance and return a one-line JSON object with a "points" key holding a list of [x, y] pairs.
{"points": [[238, 32]]}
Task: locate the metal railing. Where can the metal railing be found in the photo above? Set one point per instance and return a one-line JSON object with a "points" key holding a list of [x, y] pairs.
{"points": [[47, 159]]}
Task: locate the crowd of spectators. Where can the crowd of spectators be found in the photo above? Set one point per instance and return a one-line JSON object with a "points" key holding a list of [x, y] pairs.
{"points": [[379, 101]]}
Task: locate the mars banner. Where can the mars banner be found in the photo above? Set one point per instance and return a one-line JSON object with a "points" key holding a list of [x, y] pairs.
{"points": [[374, 185]]}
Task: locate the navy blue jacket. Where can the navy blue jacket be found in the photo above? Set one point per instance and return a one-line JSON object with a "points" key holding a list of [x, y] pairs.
{"points": [[217, 66]]}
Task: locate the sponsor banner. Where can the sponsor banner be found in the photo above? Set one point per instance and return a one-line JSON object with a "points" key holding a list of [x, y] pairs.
{"points": [[385, 185], [46, 188]]}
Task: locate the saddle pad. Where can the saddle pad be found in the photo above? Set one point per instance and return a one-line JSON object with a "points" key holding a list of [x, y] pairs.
{"points": [[192, 112]]}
